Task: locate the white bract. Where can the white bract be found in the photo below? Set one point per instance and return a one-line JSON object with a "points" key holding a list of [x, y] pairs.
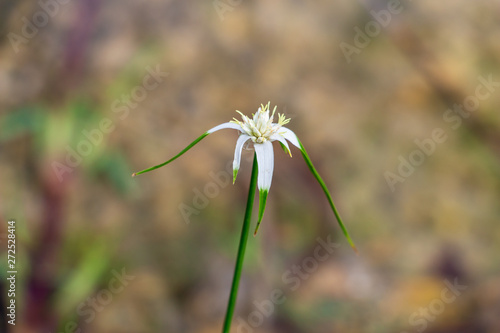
{"points": [[261, 131]]}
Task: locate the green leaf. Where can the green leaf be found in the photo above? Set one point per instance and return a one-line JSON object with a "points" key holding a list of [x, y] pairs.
{"points": [[285, 149], [262, 207], [235, 174], [173, 158], [327, 193]]}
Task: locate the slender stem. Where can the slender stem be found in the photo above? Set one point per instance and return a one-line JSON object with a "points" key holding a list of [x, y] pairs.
{"points": [[241, 250]]}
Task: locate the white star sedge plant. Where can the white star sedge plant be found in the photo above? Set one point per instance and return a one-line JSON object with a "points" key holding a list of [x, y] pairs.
{"points": [[261, 131]]}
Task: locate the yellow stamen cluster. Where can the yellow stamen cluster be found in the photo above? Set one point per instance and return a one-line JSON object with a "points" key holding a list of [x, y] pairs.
{"points": [[261, 128]]}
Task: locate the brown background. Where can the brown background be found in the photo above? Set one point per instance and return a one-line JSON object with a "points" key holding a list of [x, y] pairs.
{"points": [[357, 118]]}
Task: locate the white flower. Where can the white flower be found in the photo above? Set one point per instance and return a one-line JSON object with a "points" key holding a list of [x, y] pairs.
{"points": [[262, 131]]}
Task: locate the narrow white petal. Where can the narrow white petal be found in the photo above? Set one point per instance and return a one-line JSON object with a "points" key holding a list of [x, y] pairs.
{"points": [[237, 153], [225, 125], [290, 136], [281, 139], [265, 158]]}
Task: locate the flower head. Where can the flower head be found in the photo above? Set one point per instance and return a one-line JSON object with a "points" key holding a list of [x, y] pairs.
{"points": [[261, 128], [262, 132]]}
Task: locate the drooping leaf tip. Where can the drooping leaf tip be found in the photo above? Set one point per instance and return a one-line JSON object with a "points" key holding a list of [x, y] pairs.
{"points": [[256, 229]]}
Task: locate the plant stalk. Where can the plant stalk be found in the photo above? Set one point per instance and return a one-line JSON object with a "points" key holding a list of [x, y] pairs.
{"points": [[241, 249]]}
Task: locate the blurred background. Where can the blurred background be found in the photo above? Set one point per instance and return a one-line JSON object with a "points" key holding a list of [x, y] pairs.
{"points": [[396, 102]]}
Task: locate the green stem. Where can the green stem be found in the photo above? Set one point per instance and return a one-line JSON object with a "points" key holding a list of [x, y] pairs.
{"points": [[241, 250]]}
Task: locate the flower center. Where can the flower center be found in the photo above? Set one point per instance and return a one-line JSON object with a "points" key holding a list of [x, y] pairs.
{"points": [[261, 128]]}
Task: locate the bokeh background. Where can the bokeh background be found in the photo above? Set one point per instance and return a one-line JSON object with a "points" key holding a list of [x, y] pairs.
{"points": [[80, 111]]}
